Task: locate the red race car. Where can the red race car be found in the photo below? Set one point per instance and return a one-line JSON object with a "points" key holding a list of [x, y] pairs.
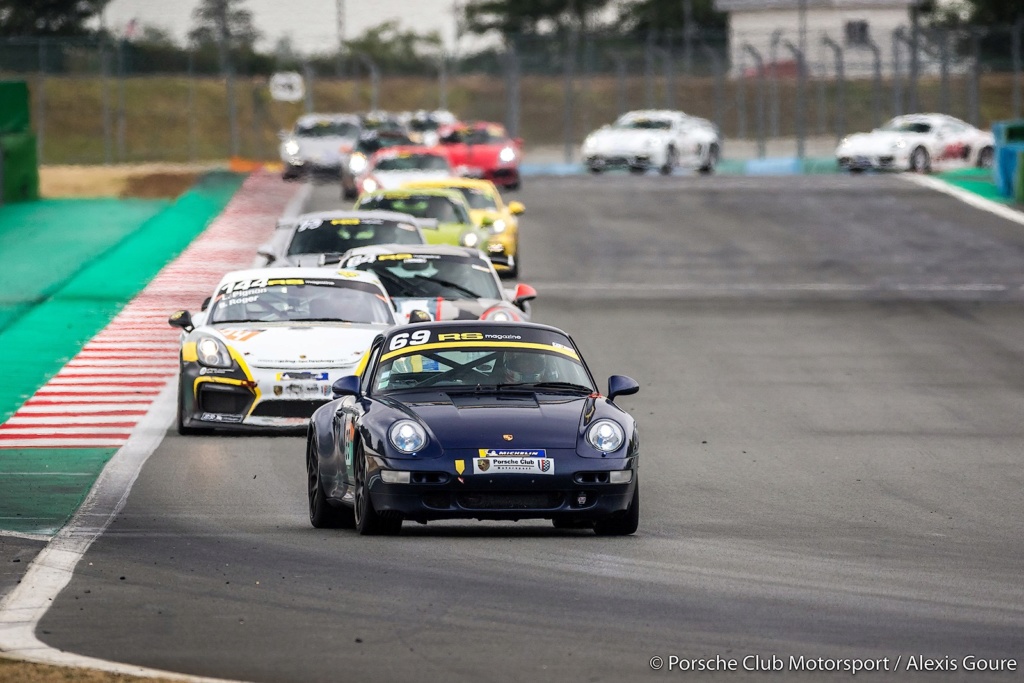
{"points": [[483, 150]]}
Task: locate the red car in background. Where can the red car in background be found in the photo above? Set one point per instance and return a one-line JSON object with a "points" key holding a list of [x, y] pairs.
{"points": [[483, 150]]}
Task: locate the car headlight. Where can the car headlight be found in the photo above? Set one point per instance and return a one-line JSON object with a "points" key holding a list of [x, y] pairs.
{"points": [[407, 436], [498, 226], [507, 154], [369, 185], [470, 239], [357, 163], [213, 353], [291, 147], [605, 436]]}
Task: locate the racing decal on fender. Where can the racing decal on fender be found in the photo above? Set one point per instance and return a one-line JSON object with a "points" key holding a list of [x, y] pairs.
{"points": [[515, 465], [460, 466]]}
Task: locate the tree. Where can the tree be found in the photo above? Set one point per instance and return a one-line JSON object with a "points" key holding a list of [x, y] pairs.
{"points": [[391, 48], [519, 17], [641, 16], [227, 19], [47, 17]]}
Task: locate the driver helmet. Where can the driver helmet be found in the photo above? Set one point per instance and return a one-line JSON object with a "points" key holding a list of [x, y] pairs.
{"points": [[524, 367]]}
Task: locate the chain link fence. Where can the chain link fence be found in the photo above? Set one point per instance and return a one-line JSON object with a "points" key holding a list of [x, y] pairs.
{"points": [[116, 102]]}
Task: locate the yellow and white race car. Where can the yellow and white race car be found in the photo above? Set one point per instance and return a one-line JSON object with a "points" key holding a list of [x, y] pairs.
{"points": [[265, 349], [492, 214]]}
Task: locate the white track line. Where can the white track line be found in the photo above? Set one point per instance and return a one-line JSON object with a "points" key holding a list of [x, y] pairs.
{"points": [[965, 196]]}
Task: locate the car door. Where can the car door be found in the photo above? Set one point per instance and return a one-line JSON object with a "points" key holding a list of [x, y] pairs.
{"points": [[348, 416]]}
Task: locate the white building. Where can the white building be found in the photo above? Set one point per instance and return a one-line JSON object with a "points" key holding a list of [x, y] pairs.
{"points": [[861, 28]]}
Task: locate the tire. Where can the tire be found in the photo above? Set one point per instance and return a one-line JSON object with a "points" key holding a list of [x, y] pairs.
{"points": [[985, 157], [638, 170], [368, 521], [920, 161], [182, 429], [322, 515], [595, 170], [622, 523], [671, 159], [712, 161], [513, 272]]}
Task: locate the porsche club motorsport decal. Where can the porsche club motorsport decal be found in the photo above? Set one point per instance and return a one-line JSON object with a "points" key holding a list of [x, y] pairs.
{"points": [[496, 462]]}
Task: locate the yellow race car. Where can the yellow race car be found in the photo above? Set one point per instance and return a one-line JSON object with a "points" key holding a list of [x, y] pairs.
{"points": [[492, 214]]}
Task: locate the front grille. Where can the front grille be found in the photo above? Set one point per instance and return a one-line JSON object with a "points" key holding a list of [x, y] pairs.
{"points": [[886, 161], [302, 408], [541, 500], [221, 399]]}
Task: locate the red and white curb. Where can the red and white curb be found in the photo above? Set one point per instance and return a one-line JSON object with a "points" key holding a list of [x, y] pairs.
{"points": [[99, 396]]}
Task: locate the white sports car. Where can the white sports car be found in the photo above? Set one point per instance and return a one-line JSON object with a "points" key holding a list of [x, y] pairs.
{"points": [[913, 142], [655, 138], [268, 344], [319, 144]]}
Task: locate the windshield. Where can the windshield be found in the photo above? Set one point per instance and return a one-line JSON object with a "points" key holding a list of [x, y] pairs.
{"points": [[376, 141], [341, 234], [478, 199], [431, 275], [476, 136], [483, 368], [438, 207], [297, 299], [644, 124], [413, 162], [904, 126], [324, 129]]}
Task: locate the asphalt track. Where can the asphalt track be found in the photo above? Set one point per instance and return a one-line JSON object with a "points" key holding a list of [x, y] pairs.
{"points": [[832, 379]]}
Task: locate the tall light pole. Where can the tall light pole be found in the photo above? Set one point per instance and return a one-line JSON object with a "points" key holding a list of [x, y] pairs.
{"points": [[340, 6]]}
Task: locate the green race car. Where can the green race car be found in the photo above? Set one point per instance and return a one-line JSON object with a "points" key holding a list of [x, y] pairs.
{"points": [[447, 206]]}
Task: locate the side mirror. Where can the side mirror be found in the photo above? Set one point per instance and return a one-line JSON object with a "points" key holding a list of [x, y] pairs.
{"points": [[418, 316], [206, 303], [346, 386], [519, 142], [523, 293], [270, 258], [516, 208], [182, 319], [620, 385], [486, 221]]}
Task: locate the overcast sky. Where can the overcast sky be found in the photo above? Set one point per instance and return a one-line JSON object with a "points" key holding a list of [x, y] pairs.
{"points": [[312, 24]]}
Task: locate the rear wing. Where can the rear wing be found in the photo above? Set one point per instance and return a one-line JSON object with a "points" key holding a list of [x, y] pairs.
{"points": [[427, 223]]}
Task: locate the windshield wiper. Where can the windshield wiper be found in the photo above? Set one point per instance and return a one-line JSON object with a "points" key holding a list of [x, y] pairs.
{"points": [[556, 386], [446, 283]]}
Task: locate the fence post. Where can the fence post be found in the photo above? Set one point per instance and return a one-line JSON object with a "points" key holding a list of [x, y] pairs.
{"points": [[897, 86], [801, 101], [620, 81], [773, 59], [41, 102], [719, 75], [759, 65], [568, 69], [1015, 41], [649, 70], [512, 86], [945, 102], [442, 81], [974, 92], [193, 128], [741, 99], [122, 115], [374, 72], [307, 76], [108, 138], [876, 84], [840, 86], [914, 74]]}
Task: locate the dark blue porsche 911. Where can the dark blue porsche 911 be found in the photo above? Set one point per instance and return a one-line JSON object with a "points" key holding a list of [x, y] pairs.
{"points": [[474, 420]]}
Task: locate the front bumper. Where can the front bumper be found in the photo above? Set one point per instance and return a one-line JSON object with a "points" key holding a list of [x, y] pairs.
{"points": [[867, 162], [273, 399], [294, 168], [577, 490], [620, 160]]}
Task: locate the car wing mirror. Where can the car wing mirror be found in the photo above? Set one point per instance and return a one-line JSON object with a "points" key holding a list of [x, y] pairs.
{"points": [[419, 316], [523, 293], [620, 385], [516, 208], [345, 386], [182, 319], [206, 303]]}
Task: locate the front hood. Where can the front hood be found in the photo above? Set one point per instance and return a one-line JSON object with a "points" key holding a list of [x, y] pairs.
{"points": [[445, 309], [294, 345], [390, 180], [322, 149], [465, 420], [625, 139], [877, 142]]}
